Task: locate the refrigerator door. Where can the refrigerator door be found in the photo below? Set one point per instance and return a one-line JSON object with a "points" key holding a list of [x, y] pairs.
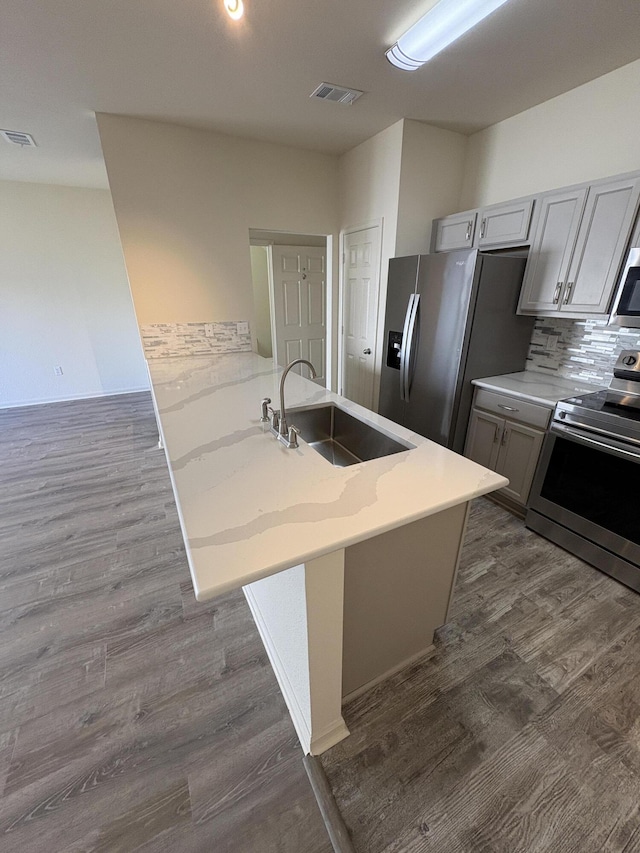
{"points": [[401, 286], [499, 340], [447, 286]]}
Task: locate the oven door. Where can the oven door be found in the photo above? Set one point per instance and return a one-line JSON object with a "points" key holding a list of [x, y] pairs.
{"points": [[590, 484]]}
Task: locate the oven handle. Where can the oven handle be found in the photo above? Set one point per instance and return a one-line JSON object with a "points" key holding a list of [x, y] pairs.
{"points": [[590, 428], [580, 438]]}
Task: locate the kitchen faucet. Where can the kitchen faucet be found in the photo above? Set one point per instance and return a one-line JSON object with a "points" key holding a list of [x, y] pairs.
{"points": [[284, 433], [312, 371]]}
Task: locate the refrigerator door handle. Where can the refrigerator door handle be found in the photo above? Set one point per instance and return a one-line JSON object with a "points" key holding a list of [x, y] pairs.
{"points": [[407, 340], [403, 349]]}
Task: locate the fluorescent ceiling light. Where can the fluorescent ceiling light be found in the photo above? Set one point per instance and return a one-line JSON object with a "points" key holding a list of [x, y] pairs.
{"points": [[442, 25]]}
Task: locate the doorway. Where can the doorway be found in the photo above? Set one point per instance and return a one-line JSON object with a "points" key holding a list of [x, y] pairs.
{"points": [[360, 297], [289, 273]]}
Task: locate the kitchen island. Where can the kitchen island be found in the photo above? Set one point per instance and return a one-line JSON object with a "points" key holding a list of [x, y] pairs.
{"points": [[347, 571]]}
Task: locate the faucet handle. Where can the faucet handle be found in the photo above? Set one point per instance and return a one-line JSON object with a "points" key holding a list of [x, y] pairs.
{"points": [[265, 409], [294, 432], [275, 418]]}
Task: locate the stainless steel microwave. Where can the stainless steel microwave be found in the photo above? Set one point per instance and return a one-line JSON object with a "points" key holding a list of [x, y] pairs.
{"points": [[626, 306]]}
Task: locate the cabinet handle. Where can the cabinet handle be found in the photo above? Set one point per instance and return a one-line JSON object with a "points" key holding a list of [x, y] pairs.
{"points": [[495, 434], [567, 296], [504, 436], [508, 408], [468, 234], [556, 296], [482, 227]]}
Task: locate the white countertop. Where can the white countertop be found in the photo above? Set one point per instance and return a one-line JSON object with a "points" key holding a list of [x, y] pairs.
{"points": [[249, 507], [537, 387]]}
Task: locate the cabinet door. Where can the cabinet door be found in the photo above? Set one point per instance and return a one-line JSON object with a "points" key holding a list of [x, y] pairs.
{"points": [[505, 224], [517, 459], [455, 232], [483, 438], [606, 224], [551, 250]]}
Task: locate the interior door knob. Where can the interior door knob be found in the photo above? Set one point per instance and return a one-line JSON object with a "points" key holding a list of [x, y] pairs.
{"points": [[367, 351]]}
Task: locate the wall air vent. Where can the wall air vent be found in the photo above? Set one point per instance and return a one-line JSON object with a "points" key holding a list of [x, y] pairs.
{"points": [[338, 94], [16, 137]]}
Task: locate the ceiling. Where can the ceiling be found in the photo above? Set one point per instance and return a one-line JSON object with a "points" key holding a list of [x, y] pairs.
{"points": [[187, 62]]}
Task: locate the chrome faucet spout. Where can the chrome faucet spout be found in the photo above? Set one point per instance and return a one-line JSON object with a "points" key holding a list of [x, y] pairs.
{"points": [[284, 429]]}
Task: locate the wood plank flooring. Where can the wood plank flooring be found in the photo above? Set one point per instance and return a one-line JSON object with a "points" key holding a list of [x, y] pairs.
{"points": [[522, 733], [131, 717]]}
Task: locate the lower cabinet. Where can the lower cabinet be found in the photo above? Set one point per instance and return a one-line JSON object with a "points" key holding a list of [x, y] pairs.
{"points": [[506, 445]]}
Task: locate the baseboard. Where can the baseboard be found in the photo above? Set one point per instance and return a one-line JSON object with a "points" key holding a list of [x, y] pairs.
{"points": [[330, 737], [74, 397], [299, 720], [424, 654], [506, 503]]}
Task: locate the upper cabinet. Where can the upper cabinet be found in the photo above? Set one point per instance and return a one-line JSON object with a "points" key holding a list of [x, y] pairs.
{"points": [[455, 232], [577, 238], [577, 247], [499, 226], [548, 263], [503, 225]]}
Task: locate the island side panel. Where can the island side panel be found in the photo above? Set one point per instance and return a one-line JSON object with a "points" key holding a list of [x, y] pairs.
{"points": [[397, 591], [298, 613]]}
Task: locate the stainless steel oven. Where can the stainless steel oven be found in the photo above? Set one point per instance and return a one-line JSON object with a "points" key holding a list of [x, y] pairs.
{"points": [[586, 492]]}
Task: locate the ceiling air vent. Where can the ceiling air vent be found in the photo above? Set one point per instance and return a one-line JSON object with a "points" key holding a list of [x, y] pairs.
{"points": [[329, 92], [16, 137]]}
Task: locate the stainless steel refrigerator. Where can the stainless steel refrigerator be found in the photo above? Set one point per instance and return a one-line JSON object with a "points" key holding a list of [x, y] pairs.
{"points": [[450, 318]]}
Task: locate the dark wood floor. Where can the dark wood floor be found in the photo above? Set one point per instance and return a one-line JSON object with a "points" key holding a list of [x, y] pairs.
{"points": [[522, 733], [130, 716]]}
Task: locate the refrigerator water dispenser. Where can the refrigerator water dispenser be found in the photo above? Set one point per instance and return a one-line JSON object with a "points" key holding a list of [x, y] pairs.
{"points": [[394, 345]]}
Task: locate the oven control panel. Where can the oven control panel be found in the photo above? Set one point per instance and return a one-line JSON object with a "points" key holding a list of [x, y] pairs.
{"points": [[628, 366]]}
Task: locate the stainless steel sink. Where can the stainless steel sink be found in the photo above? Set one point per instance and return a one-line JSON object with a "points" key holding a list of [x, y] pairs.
{"points": [[341, 438]]}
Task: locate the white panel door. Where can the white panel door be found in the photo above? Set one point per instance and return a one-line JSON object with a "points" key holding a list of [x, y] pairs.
{"points": [[361, 277], [300, 306]]}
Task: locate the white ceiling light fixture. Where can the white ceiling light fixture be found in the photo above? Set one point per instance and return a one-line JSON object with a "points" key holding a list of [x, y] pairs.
{"points": [[442, 25], [235, 9]]}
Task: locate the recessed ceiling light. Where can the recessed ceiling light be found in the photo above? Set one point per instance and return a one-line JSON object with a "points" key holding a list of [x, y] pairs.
{"points": [[235, 9]]}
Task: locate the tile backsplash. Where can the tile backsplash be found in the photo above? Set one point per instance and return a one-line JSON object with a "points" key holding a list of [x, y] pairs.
{"points": [[170, 340], [578, 349]]}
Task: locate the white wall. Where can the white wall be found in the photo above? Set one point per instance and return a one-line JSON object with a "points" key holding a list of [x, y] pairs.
{"points": [[369, 193], [370, 187], [588, 133], [64, 297], [431, 173], [404, 177], [185, 200]]}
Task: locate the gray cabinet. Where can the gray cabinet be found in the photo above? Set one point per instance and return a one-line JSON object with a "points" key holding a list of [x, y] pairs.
{"points": [[557, 226], [606, 224], [455, 232], [577, 248], [503, 225], [505, 434]]}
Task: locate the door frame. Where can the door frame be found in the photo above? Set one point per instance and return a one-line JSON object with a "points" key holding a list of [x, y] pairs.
{"points": [[344, 233], [329, 294]]}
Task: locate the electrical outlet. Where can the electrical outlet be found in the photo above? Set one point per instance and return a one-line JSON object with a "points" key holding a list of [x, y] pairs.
{"points": [[57, 370], [208, 330], [242, 328], [552, 342]]}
